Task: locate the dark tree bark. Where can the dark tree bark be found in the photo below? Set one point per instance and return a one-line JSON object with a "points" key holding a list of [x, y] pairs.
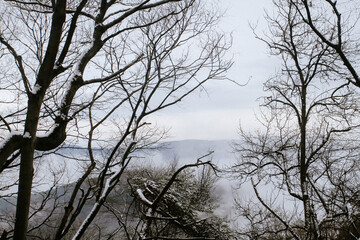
{"points": [[82, 64]]}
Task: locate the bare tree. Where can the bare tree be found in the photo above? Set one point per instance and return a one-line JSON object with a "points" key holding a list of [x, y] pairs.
{"points": [[336, 24], [80, 69], [306, 156]]}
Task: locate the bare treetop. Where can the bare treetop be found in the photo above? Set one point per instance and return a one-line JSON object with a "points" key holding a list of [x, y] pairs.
{"points": [[93, 71]]}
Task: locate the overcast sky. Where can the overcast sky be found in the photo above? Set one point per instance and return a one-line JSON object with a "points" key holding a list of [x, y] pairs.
{"points": [[216, 114]]}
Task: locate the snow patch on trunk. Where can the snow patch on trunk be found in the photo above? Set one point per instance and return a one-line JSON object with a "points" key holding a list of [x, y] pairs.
{"points": [[36, 89], [27, 135]]}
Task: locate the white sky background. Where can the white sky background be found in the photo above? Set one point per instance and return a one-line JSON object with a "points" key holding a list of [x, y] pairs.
{"points": [[216, 113]]}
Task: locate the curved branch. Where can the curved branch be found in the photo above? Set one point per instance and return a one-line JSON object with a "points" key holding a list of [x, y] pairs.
{"points": [[337, 47], [9, 145], [71, 32], [288, 227], [19, 63]]}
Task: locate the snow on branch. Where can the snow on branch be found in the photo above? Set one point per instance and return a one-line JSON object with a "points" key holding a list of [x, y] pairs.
{"points": [[143, 198], [8, 137]]}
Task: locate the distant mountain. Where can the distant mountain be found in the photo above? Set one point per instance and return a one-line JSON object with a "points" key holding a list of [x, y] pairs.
{"points": [[187, 151]]}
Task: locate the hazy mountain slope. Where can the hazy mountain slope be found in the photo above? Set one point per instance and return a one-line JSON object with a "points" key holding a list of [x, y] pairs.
{"points": [[186, 151]]}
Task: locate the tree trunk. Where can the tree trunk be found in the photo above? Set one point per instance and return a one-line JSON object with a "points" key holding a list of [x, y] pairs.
{"points": [[26, 168], [310, 229], [44, 78]]}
